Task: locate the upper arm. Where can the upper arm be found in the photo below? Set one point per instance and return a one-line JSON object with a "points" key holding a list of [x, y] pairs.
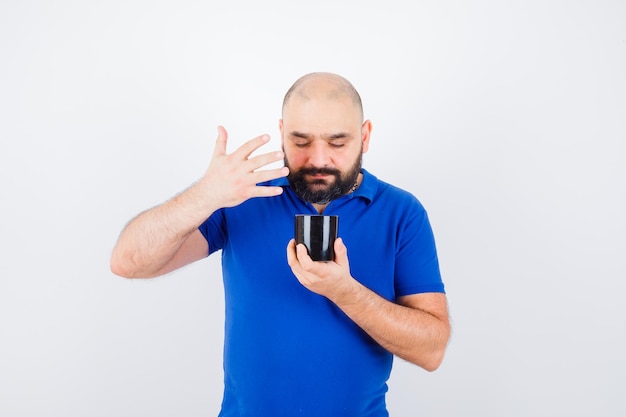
{"points": [[194, 248]]}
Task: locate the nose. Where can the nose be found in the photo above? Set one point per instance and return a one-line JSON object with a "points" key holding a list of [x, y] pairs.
{"points": [[318, 154]]}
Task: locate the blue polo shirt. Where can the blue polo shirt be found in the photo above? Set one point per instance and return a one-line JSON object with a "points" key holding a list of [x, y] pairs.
{"points": [[288, 351]]}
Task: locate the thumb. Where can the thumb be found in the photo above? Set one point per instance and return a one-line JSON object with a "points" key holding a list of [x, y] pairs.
{"points": [[220, 143], [341, 252]]}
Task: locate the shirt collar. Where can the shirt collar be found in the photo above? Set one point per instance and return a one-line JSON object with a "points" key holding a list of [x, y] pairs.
{"points": [[368, 187]]}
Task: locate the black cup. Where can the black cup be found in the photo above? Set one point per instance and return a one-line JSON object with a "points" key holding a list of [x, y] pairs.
{"points": [[318, 234]]}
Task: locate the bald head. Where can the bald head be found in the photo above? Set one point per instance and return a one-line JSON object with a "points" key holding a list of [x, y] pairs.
{"points": [[323, 85]]}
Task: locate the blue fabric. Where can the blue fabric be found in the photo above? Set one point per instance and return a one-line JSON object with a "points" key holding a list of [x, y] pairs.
{"points": [[290, 352]]}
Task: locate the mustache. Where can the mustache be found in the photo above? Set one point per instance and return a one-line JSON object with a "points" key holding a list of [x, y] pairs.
{"points": [[316, 171]]}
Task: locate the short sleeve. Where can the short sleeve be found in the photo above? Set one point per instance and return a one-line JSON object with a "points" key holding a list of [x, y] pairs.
{"points": [[417, 264], [214, 231]]}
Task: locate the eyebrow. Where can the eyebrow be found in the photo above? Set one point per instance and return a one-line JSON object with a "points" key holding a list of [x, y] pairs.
{"points": [[339, 135]]}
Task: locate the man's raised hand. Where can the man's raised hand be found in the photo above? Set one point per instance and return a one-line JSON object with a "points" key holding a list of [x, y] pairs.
{"points": [[232, 178]]}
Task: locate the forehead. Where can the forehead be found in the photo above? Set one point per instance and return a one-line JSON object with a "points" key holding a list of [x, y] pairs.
{"points": [[321, 112]]}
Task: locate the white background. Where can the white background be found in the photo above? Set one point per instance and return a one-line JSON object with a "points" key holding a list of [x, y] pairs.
{"points": [[507, 120]]}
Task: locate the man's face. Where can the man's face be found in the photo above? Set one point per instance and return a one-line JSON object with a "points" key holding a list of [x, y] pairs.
{"points": [[323, 141]]}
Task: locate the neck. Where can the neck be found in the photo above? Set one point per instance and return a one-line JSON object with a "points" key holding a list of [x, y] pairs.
{"points": [[320, 207]]}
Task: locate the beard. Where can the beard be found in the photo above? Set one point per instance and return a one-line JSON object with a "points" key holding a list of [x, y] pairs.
{"points": [[320, 191]]}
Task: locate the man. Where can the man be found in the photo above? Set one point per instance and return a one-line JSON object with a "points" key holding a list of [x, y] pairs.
{"points": [[305, 338]]}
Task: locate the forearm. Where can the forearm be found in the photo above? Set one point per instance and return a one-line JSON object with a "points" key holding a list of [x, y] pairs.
{"points": [[415, 335], [152, 239]]}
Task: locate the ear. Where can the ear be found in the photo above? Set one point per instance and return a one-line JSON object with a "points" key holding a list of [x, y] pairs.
{"points": [[366, 131], [281, 127]]}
